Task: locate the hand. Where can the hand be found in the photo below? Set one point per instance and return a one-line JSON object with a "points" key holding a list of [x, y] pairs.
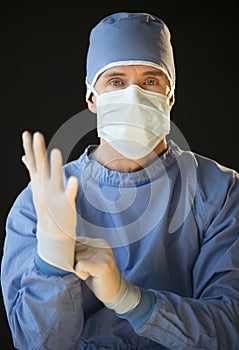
{"points": [[95, 263], [54, 203]]}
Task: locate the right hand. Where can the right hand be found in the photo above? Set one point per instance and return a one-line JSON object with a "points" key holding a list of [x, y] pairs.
{"points": [[54, 202]]}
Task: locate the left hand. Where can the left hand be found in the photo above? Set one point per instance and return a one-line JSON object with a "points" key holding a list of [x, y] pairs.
{"points": [[96, 265]]}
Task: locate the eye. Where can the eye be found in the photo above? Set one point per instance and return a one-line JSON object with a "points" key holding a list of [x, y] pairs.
{"points": [[155, 85], [151, 82], [116, 82]]}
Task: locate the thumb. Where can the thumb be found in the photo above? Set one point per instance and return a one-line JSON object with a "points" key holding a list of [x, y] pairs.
{"points": [[24, 160]]}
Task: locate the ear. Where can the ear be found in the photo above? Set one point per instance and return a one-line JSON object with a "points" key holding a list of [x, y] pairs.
{"points": [[92, 103], [171, 102]]}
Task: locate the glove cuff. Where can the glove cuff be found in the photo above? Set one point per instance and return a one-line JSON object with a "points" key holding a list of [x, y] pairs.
{"points": [[59, 253], [126, 299]]}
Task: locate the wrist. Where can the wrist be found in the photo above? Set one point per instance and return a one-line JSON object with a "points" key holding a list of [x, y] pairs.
{"points": [[126, 299], [56, 251], [143, 311], [49, 269]]}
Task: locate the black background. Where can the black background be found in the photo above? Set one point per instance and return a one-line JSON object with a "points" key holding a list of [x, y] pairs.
{"points": [[43, 51]]}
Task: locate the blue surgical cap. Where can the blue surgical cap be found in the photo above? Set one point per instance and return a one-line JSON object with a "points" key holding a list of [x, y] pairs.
{"points": [[129, 38]]}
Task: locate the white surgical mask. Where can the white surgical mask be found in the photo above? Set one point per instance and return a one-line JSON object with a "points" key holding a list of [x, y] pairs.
{"points": [[133, 120]]}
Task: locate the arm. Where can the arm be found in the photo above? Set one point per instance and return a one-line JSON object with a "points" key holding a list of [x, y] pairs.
{"points": [[43, 304], [207, 320], [210, 318], [42, 309]]}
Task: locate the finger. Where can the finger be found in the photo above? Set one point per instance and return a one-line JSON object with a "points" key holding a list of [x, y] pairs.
{"points": [[29, 158], [84, 254], [82, 240], [56, 169], [81, 273], [72, 188], [93, 242], [39, 148], [88, 266], [80, 247], [24, 160], [81, 243]]}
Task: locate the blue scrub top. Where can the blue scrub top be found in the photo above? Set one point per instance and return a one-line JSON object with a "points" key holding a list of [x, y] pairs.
{"points": [[174, 230]]}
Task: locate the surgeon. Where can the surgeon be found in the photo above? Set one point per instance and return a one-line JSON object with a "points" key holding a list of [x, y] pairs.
{"points": [[134, 245]]}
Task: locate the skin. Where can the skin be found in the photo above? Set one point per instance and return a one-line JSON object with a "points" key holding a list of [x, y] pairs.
{"points": [[113, 79], [95, 261]]}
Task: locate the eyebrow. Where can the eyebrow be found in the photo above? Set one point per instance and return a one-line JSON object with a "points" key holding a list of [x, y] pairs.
{"points": [[155, 73], [112, 74]]}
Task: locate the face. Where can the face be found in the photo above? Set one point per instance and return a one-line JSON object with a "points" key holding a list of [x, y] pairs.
{"points": [[116, 78]]}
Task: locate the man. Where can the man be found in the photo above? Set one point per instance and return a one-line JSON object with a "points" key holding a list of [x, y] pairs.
{"points": [[135, 245]]}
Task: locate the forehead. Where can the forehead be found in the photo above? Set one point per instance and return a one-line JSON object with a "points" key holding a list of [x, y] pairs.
{"points": [[133, 70]]}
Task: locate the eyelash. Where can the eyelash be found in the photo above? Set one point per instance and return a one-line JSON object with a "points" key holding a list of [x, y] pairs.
{"points": [[151, 80], [118, 82]]}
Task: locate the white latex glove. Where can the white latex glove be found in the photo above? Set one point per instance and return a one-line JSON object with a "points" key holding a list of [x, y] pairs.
{"points": [[54, 203], [95, 263]]}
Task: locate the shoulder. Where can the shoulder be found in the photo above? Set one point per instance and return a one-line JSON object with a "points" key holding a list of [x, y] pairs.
{"points": [[213, 174], [213, 184], [217, 188], [207, 172]]}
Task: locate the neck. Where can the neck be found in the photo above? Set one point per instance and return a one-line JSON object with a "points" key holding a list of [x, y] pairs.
{"points": [[111, 159]]}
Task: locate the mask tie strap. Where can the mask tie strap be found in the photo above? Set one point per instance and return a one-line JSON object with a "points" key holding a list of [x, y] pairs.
{"points": [[91, 89]]}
